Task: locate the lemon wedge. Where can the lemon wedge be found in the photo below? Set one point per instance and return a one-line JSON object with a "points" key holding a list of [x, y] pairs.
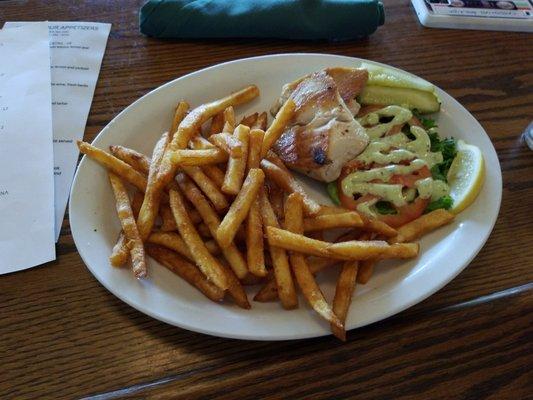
{"points": [[466, 176]]}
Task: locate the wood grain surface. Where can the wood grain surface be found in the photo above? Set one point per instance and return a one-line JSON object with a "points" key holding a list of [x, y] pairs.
{"points": [[62, 335]]}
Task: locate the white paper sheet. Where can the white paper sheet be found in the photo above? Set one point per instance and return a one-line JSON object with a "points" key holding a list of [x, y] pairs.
{"points": [[76, 50], [26, 155]]}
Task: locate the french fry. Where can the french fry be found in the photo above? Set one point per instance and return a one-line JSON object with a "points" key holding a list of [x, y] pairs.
{"points": [[199, 157], [254, 226], [249, 120], [269, 292], [366, 268], [343, 296], [229, 120], [372, 249], [114, 165], [207, 186], [240, 207], [350, 250], [204, 230], [173, 241], [322, 222], [125, 214], [282, 272], [192, 124], [287, 182], [186, 271], [152, 197], [292, 241], [200, 143], [369, 224], [209, 266], [217, 124], [120, 253], [179, 113], [137, 160], [274, 159], [212, 221], [304, 277], [275, 130], [254, 241], [254, 148], [260, 122], [422, 225], [227, 142], [237, 166], [214, 173]]}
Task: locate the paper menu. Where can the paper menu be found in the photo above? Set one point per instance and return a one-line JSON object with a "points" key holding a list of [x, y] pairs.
{"points": [[26, 154], [76, 50]]}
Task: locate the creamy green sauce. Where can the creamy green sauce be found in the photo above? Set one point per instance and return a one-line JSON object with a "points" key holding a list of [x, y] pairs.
{"points": [[391, 151]]}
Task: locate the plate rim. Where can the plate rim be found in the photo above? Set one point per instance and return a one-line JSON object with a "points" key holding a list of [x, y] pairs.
{"points": [[425, 293]]}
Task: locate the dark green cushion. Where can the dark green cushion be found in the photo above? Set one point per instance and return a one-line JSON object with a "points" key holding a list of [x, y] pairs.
{"points": [[289, 19]]}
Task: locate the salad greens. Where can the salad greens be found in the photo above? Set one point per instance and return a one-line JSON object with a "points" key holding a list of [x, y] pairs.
{"points": [[333, 192], [385, 208], [444, 202]]}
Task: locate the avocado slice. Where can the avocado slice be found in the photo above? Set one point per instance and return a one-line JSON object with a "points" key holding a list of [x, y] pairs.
{"points": [[423, 101]]}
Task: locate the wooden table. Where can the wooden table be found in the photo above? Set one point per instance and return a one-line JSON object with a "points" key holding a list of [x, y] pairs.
{"points": [[62, 335]]}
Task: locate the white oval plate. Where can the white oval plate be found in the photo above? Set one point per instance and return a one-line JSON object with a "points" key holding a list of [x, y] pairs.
{"points": [[394, 287]]}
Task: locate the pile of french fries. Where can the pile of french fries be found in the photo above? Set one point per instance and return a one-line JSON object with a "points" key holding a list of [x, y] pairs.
{"points": [[216, 206]]}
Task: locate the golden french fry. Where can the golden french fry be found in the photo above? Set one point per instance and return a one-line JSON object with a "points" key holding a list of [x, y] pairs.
{"points": [[422, 225], [138, 161], [199, 157], [322, 222], [287, 182], [254, 241], [372, 249], [212, 221], [260, 122], [209, 266], [237, 166], [125, 214], [152, 197], [214, 173], [343, 296], [114, 165], [369, 224], [173, 241], [366, 268], [275, 130], [274, 159], [249, 120], [304, 277], [282, 272], [192, 124], [227, 142], [204, 230], [186, 271], [240, 207], [229, 120], [254, 148], [120, 253], [291, 241], [350, 250], [200, 143], [207, 186], [277, 199], [179, 113], [217, 124]]}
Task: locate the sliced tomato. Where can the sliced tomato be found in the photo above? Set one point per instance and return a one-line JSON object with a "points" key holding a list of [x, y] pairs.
{"points": [[406, 213], [409, 180]]}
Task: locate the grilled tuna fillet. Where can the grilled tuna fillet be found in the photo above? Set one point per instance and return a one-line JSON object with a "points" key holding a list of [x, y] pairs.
{"points": [[323, 134]]}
